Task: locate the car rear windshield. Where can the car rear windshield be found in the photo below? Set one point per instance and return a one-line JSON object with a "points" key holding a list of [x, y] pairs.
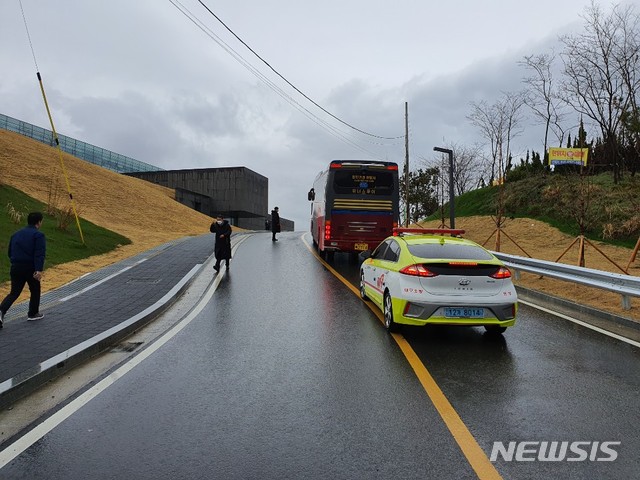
{"points": [[449, 251]]}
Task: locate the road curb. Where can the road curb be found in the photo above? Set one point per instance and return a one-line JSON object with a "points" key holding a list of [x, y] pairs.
{"points": [[30, 380], [599, 318]]}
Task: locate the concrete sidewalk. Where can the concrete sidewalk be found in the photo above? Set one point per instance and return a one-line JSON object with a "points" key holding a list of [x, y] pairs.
{"points": [[92, 313]]}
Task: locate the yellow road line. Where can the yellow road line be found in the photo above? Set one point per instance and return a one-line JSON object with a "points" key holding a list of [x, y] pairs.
{"points": [[463, 437]]}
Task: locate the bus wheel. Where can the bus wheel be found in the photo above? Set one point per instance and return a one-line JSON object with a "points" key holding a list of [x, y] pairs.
{"points": [[322, 253]]}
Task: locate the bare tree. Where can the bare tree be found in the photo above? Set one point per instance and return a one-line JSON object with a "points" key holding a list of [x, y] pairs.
{"points": [[630, 72], [600, 72], [469, 166], [499, 123], [541, 96], [486, 117]]}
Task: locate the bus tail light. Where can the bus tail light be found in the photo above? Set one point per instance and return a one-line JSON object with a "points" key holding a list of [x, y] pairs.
{"points": [[418, 270], [327, 230]]}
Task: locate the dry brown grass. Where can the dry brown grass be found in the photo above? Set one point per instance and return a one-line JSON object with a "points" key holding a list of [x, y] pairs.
{"points": [[145, 213], [149, 216]]}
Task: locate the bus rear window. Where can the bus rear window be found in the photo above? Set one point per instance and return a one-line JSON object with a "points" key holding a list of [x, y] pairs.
{"points": [[359, 182]]}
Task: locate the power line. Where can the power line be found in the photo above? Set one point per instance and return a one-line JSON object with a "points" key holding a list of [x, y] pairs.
{"points": [[240, 59], [289, 83]]}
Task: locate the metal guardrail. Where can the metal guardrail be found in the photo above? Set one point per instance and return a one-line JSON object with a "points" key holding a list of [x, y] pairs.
{"points": [[625, 285]]}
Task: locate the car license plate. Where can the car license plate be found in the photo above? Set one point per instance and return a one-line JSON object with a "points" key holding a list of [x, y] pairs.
{"points": [[361, 246], [459, 312]]}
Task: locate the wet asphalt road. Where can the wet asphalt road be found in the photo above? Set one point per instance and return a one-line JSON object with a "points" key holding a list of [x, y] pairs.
{"points": [[287, 374]]}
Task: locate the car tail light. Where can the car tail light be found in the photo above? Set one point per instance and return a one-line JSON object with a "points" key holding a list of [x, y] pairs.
{"points": [[327, 230], [417, 270], [503, 272]]}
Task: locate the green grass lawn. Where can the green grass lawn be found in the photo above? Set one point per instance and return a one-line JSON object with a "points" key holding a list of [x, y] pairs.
{"points": [[62, 246]]}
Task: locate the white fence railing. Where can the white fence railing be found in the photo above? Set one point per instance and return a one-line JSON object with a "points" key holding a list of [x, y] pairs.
{"points": [[625, 285]]}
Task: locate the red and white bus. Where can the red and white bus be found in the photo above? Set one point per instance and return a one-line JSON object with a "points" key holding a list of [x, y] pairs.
{"points": [[355, 205]]}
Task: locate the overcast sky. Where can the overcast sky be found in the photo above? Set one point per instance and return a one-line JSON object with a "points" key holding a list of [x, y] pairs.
{"points": [[142, 79]]}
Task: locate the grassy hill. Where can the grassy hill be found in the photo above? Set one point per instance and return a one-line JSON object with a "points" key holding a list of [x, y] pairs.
{"points": [[63, 245], [608, 212], [132, 215]]}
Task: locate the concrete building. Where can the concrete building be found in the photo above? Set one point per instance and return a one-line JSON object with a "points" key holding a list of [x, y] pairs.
{"points": [[240, 194]]}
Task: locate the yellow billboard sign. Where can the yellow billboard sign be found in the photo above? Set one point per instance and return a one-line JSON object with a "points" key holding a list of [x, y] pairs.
{"points": [[568, 156]]}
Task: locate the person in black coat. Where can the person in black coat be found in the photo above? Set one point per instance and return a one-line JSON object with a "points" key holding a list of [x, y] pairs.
{"points": [[275, 223], [222, 249]]}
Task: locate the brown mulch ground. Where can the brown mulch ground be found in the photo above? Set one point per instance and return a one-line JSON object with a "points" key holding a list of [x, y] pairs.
{"points": [[149, 216]]}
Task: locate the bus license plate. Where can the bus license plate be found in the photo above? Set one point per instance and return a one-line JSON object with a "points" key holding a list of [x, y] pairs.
{"points": [[450, 312], [361, 246]]}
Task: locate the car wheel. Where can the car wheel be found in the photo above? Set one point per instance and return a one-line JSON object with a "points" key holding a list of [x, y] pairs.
{"points": [[389, 324], [495, 328], [363, 294]]}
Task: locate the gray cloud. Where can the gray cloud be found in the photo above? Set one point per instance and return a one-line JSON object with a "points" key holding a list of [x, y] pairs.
{"points": [[140, 79]]}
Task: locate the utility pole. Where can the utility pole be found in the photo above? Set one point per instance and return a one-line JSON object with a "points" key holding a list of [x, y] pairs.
{"points": [[406, 164]]}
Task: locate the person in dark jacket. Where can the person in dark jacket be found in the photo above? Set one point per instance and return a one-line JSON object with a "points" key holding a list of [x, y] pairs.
{"points": [[222, 249], [27, 249], [275, 223]]}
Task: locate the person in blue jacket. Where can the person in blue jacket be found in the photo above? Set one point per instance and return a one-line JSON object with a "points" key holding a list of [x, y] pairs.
{"points": [[27, 249]]}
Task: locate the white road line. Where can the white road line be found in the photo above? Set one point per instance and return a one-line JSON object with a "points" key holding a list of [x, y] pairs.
{"points": [[31, 437], [584, 324]]}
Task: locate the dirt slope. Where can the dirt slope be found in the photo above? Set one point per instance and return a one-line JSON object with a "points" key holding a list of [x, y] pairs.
{"points": [[145, 213]]}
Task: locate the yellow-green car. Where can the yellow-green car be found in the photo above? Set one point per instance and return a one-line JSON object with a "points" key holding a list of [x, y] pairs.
{"points": [[421, 276]]}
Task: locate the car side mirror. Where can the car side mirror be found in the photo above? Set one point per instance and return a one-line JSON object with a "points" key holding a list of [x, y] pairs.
{"points": [[366, 254], [311, 196]]}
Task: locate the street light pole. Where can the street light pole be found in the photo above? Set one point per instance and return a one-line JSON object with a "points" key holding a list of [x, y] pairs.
{"points": [[406, 164], [452, 215]]}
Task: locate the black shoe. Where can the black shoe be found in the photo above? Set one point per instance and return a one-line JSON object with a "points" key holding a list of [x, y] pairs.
{"points": [[216, 268], [37, 316], [227, 265], [1, 319]]}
